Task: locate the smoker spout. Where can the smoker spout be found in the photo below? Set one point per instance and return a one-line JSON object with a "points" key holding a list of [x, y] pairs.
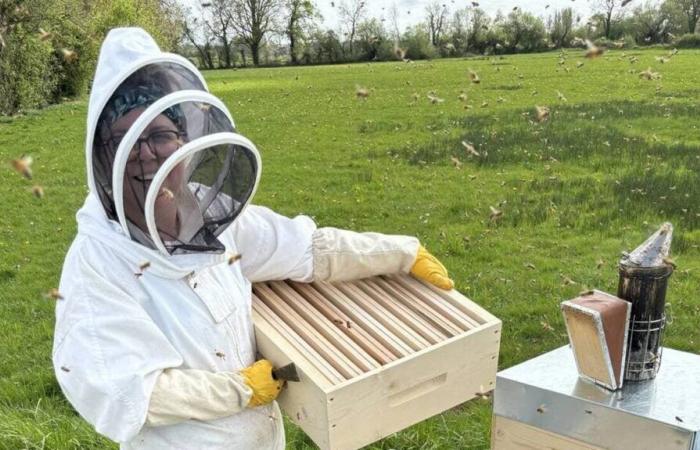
{"points": [[653, 251]]}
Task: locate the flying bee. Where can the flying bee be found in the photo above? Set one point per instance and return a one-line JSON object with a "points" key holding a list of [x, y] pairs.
{"points": [[470, 148], [53, 294], [495, 215], [233, 258], [463, 97], [435, 99], [44, 35], [593, 51], [481, 394], [70, 56], [38, 191], [474, 77], [566, 280], [541, 113], [456, 162], [361, 92], [561, 96], [23, 165], [649, 74], [166, 193], [221, 355]]}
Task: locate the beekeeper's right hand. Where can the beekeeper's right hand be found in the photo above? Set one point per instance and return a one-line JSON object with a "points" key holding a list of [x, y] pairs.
{"points": [[259, 378]]}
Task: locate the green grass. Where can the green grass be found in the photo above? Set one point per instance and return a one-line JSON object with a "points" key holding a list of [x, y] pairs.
{"points": [[615, 160]]}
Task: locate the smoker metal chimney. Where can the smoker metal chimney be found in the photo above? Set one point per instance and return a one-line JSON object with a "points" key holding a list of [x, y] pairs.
{"points": [[644, 275]]}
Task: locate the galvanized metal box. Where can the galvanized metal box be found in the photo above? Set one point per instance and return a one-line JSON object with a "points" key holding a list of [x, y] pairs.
{"points": [[543, 404], [374, 356]]}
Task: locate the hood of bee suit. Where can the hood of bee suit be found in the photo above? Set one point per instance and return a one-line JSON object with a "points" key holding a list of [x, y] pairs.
{"points": [[163, 155]]}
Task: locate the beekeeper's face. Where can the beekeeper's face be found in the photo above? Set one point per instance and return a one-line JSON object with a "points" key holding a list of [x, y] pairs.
{"points": [[159, 140]]}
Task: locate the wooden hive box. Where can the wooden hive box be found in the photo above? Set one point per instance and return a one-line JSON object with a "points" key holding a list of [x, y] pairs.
{"points": [[374, 356]]}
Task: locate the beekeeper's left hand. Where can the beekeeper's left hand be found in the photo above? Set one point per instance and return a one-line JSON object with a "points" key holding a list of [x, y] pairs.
{"points": [[428, 268]]}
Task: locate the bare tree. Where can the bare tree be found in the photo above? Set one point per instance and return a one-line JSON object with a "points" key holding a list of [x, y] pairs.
{"points": [[195, 31], [479, 26], [220, 24], [459, 28], [299, 12], [691, 10], [394, 18], [560, 26], [650, 23], [351, 15], [252, 20], [607, 11], [436, 16]]}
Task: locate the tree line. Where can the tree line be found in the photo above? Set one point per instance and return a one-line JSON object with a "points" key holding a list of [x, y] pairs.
{"points": [[48, 48], [229, 33]]}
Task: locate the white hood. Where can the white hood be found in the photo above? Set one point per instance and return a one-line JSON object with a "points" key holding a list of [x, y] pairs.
{"points": [[123, 52], [133, 72]]}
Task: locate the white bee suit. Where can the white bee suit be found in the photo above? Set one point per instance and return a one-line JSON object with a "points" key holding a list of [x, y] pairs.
{"points": [[150, 355]]}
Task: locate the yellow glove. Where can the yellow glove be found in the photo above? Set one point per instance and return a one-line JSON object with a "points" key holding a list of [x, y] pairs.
{"points": [[428, 268], [259, 378]]}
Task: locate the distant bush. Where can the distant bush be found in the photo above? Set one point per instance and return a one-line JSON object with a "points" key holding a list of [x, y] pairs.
{"points": [[604, 42], [418, 45], [34, 71], [688, 41], [25, 81]]}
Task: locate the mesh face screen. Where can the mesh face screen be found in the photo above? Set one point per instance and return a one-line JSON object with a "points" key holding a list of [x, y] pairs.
{"points": [[202, 195], [136, 93]]}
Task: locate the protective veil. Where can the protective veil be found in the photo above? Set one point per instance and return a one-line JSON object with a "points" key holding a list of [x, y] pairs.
{"points": [[156, 323]]}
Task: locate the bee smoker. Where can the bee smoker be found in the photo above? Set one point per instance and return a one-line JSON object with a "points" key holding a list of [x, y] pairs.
{"points": [[644, 277]]}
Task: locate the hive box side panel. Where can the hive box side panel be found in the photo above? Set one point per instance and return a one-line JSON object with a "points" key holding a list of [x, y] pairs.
{"points": [[404, 392], [507, 434], [304, 401]]}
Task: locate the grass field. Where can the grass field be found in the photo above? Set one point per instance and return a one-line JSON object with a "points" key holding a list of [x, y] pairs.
{"points": [[618, 156]]}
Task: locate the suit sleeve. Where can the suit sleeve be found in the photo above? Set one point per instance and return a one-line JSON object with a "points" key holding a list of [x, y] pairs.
{"points": [[273, 246], [183, 394]]}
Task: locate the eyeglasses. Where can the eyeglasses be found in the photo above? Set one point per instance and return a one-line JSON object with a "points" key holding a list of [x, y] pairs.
{"points": [[161, 143]]}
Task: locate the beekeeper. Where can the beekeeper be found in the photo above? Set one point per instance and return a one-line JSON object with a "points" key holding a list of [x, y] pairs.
{"points": [[154, 342]]}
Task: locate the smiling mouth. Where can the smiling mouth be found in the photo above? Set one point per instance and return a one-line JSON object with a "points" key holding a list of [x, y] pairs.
{"points": [[144, 179]]}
